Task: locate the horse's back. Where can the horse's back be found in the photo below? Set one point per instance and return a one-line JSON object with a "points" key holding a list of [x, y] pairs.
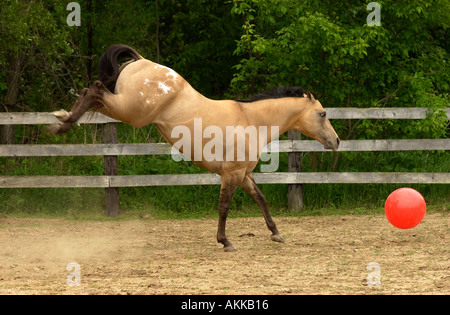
{"points": [[146, 73]]}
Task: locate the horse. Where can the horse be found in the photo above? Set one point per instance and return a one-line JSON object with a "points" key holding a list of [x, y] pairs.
{"points": [[141, 92]]}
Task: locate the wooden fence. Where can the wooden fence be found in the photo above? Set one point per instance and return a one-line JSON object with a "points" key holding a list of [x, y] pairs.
{"points": [[294, 147]]}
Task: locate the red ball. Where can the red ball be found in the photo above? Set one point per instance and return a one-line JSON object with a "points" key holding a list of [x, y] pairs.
{"points": [[405, 208]]}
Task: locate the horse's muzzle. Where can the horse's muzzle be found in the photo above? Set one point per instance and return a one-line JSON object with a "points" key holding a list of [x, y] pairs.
{"points": [[331, 145], [338, 142]]}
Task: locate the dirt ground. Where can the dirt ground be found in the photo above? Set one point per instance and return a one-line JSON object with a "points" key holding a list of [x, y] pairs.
{"points": [[322, 255]]}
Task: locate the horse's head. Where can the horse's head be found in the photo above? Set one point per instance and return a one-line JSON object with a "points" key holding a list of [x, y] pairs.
{"points": [[314, 123]]}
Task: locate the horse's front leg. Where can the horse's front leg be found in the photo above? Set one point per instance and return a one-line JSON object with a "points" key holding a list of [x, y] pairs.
{"points": [[253, 191], [229, 185]]}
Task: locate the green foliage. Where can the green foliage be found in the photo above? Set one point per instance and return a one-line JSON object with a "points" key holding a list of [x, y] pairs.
{"points": [[200, 44], [330, 49], [32, 38]]}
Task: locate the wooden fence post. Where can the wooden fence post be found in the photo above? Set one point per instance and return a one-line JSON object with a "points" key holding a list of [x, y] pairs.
{"points": [[112, 206], [295, 191]]}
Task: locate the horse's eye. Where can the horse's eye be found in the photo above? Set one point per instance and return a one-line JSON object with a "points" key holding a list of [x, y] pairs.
{"points": [[323, 114]]}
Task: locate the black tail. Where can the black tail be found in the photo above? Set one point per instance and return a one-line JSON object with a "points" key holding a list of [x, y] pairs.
{"points": [[108, 66]]}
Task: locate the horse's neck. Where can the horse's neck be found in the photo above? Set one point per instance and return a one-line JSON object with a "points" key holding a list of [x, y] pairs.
{"points": [[282, 112]]}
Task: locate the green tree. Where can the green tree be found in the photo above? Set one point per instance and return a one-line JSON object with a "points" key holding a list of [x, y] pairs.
{"points": [[31, 44], [330, 49], [200, 42]]}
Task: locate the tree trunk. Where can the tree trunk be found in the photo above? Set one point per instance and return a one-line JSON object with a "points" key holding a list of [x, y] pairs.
{"points": [[157, 31], [13, 72], [89, 65]]}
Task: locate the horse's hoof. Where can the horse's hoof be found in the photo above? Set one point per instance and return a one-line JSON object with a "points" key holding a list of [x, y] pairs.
{"points": [[54, 129], [277, 238], [61, 115], [229, 249]]}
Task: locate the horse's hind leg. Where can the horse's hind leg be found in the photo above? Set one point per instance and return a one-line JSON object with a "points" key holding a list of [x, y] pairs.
{"points": [[65, 116], [253, 191], [89, 98]]}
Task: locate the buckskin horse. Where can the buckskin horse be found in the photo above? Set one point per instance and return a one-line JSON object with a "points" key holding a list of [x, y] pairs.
{"points": [[141, 92]]}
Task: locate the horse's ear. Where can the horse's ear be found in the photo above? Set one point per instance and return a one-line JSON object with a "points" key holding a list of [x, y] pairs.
{"points": [[311, 96]]}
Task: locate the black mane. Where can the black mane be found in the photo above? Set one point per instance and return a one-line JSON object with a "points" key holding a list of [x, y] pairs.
{"points": [[278, 92]]}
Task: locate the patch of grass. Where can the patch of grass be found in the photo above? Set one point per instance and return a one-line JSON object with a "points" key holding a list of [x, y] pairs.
{"points": [[163, 203]]}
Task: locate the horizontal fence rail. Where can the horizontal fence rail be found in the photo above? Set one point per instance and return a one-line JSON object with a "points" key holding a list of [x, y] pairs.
{"points": [[294, 177], [19, 150], [213, 179], [49, 118], [332, 113]]}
